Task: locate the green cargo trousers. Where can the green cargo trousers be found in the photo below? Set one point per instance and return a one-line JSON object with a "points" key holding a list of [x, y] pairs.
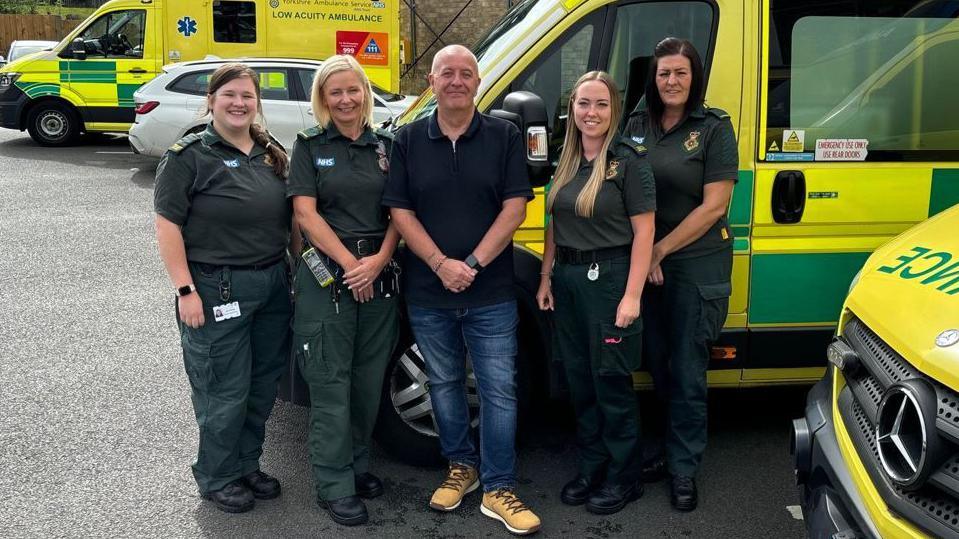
{"points": [[234, 366], [683, 317], [343, 357], [599, 359]]}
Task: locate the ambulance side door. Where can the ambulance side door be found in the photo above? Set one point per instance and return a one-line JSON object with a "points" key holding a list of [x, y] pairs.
{"points": [[858, 140]]}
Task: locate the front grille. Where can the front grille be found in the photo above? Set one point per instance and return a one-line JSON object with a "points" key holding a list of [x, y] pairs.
{"points": [[935, 506]]}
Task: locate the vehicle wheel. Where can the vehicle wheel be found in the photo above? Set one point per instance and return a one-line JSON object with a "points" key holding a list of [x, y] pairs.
{"points": [[53, 124], [406, 427]]}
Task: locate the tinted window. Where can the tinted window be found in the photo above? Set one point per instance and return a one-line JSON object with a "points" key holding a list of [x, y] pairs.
{"points": [[890, 67], [274, 84], [118, 34], [640, 26], [306, 82], [234, 22], [192, 83]]}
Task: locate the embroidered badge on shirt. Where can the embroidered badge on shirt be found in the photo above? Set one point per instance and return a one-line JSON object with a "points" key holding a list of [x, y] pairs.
{"points": [[232, 163], [383, 161], [692, 142], [325, 161], [612, 169]]}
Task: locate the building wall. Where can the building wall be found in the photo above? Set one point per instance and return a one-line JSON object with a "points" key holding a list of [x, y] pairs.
{"points": [[432, 17]]}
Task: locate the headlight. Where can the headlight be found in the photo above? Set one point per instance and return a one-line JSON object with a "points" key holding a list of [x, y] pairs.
{"points": [[7, 80]]}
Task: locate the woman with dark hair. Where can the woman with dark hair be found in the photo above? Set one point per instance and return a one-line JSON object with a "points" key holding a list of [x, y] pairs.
{"points": [[344, 331], [601, 234], [223, 227], [693, 153]]}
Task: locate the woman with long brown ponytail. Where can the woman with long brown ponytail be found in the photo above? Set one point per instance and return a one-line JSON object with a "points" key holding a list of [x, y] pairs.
{"points": [[223, 227], [600, 236]]}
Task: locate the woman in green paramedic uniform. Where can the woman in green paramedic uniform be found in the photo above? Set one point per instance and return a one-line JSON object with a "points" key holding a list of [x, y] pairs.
{"points": [[345, 332], [601, 234], [693, 152], [223, 227]]}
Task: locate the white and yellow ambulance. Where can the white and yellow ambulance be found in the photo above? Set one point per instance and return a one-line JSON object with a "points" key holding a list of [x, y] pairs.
{"points": [[86, 83]]}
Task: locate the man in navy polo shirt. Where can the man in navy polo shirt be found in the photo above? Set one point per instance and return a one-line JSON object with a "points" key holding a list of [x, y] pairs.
{"points": [[458, 190]]}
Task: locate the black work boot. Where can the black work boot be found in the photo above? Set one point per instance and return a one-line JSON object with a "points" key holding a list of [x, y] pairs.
{"points": [[611, 498], [263, 486], [683, 493], [368, 486], [654, 470], [577, 491], [348, 511], [233, 498]]}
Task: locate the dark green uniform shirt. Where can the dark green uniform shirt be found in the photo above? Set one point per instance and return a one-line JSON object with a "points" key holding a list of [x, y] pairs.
{"points": [[698, 150], [345, 176], [231, 207], [629, 190]]}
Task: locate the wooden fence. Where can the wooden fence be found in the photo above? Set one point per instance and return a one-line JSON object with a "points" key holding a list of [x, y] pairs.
{"points": [[50, 27]]}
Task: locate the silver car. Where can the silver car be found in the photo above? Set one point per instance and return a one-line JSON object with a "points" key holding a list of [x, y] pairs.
{"points": [[173, 104]]}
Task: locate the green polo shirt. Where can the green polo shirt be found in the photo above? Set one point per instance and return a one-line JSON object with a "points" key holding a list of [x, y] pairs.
{"points": [[231, 207], [629, 190], [346, 177], [698, 150]]}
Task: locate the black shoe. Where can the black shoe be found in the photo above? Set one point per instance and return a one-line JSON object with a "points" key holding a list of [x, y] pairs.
{"points": [[233, 498], [683, 493], [577, 491], [654, 470], [611, 498], [368, 485], [348, 511], [263, 486]]}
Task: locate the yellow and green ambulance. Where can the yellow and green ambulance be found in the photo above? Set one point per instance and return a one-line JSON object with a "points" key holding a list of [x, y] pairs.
{"points": [[848, 135], [86, 83]]}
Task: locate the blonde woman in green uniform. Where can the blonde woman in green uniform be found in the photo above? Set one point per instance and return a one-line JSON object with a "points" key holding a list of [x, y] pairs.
{"points": [[693, 152], [344, 332], [602, 203], [223, 227]]}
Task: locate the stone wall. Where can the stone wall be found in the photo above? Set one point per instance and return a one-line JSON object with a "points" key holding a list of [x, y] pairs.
{"points": [[432, 17]]}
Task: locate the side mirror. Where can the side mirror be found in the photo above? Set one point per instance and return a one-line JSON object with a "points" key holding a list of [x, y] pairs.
{"points": [[78, 49], [528, 112]]}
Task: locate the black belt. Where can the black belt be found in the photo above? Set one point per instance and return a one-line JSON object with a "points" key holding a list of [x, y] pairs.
{"points": [[567, 255], [210, 268], [363, 246]]}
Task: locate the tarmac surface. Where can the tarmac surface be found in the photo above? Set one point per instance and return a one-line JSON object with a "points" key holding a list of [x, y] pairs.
{"points": [[97, 431]]}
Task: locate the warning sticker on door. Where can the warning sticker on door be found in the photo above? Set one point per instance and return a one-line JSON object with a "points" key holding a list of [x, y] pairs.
{"points": [[773, 147], [369, 48], [842, 149], [793, 140]]}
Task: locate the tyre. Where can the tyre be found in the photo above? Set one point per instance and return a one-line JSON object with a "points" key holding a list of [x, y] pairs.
{"points": [[52, 123], [406, 427]]}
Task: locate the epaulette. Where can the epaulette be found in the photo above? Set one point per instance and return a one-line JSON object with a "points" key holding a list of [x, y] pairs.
{"points": [[637, 148], [310, 132], [719, 113], [385, 133], [181, 144]]}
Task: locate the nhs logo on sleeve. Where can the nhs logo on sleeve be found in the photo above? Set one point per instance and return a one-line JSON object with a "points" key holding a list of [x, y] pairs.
{"points": [[232, 163], [324, 161]]}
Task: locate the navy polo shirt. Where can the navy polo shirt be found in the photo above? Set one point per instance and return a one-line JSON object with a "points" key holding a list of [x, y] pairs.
{"points": [[457, 191]]}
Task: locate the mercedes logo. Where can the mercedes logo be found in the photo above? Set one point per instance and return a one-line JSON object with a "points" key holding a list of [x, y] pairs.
{"points": [[906, 435], [947, 338]]}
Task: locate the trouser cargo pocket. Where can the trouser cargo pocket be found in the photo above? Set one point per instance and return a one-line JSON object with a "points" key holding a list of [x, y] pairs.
{"points": [[714, 300], [620, 349], [308, 347]]}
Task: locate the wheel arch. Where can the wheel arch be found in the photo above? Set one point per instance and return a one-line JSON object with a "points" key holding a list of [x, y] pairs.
{"points": [[34, 103]]}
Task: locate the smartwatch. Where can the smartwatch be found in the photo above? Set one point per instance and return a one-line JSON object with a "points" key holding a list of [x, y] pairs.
{"points": [[184, 290], [473, 263]]}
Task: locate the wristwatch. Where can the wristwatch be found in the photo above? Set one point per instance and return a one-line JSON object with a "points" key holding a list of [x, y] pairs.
{"points": [[184, 290], [473, 263]]}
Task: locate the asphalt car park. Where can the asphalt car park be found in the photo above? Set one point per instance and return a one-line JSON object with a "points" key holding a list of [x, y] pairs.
{"points": [[97, 431]]}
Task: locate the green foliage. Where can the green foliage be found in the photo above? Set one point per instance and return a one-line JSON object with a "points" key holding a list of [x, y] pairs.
{"points": [[49, 7]]}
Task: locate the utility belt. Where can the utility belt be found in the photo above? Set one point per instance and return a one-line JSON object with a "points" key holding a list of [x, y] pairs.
{"points": [[568, 255], [386, 285]]}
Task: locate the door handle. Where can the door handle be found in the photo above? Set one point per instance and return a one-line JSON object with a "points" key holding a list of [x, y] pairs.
{"points": [[789, 196], [137, 70]]}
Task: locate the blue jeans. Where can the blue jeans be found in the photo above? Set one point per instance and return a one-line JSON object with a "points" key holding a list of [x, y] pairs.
{"points": [[488, 334]]}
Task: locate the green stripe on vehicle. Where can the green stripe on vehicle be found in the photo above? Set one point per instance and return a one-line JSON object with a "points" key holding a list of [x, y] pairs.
{"points": [[740, 244], [741, 206], [800, 288], [87, 65], [945, 190], [38, 89], [125, 94], [106, 78], [740, 231]]}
